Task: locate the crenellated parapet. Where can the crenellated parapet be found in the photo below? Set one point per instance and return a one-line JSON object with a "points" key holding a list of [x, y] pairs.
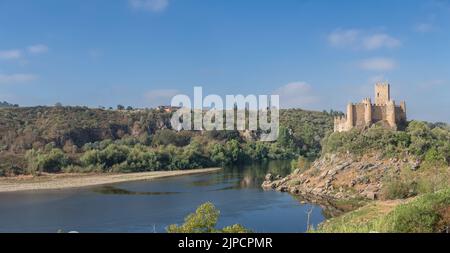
{"points": [[382, 93], [340, 123]]}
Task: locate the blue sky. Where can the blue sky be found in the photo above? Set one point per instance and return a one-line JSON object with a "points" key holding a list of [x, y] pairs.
{"points": [[315, 54]]}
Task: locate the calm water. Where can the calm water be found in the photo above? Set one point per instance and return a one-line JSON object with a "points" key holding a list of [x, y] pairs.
{"points": [[149, 206]]}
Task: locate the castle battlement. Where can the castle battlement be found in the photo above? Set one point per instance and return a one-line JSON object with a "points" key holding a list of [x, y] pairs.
{"points": [[366, 113]]}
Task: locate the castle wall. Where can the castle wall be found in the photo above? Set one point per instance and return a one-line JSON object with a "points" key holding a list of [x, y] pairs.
{"points": [[340, 124], [359, 115], [365, 113], [378, 113], [391, 115], [400, 115]]}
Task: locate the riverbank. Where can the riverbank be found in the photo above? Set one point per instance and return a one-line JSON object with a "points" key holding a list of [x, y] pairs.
{"points": [[65, 181]]}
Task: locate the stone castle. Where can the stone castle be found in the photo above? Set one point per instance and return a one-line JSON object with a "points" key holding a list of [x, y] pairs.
{"points": [[365, 114]]}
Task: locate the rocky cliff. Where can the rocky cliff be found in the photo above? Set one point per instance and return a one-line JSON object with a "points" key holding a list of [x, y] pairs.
{"points": [[343, 176]]}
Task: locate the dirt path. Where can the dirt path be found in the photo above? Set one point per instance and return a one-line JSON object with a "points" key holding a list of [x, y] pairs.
{"points": [[64, 181]]}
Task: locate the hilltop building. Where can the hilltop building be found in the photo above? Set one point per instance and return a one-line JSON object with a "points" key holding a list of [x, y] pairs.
{"points": [[167, 108], [364, 114]]}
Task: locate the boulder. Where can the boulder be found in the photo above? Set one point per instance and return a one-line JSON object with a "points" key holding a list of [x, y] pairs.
{"points": [[371, 195], [283, 188], [269, 177], [415, 165]]}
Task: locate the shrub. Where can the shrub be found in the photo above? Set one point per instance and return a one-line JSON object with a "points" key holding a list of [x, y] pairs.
{"points": [[167, 137], [419, 140], [39, 162], [435, 157], [302, 163], [83, 169], [11, 171], [399, 189], [204, 220], [423, 215], [428, 213], [218, 154]]}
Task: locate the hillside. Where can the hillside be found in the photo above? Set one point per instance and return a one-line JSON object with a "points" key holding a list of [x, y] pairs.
{"points": [[429, 213], [34, 127], [375, 163], [60, 136]]}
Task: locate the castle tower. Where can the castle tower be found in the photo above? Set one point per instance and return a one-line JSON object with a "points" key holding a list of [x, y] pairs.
{"points": [[382, 93], [403, 106], [390, 114], [402, 112], [367, 111], [349, 124]]}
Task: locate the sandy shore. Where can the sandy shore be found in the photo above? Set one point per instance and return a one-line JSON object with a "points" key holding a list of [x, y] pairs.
{"points": [[65, 181]]}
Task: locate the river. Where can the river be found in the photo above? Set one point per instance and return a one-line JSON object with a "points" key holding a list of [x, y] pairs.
{"points": [[149, 206]]}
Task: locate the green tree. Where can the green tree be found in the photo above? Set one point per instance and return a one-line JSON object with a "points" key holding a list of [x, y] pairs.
{"points": [[204, 220], [52, 161], [420, 137], [167, 137], [434, 156], [285, 137], [233, 150], [218, 154]]}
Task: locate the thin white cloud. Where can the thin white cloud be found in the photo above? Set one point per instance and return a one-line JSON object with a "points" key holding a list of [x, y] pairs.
{"points": [[16, 78], [10, 54], [361, 40], [380, 40], [296, 95], [160, 96], [378, 64], [37, 49], [424, 28], [343, 38], [149, 5]]}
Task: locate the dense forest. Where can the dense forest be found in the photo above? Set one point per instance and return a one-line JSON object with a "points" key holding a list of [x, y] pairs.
{"points": [[80, 139]]}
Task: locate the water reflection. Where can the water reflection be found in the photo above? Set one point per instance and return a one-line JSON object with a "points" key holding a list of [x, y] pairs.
{"points": [[253, 175], [115, 190], [148, 206]]}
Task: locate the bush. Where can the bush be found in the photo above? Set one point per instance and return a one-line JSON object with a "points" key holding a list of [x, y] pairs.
{"points": [[11, 171], [399, 189], [302, 163], [419, 140], [218, 154], [83, 169], [51, 162], [224, 135], [435, 157], [204, 220], [111, 155], [429, 213], [170, 137]]}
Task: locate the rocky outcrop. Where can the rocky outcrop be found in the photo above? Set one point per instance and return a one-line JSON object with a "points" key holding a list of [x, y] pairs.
{"points": [[342, 176]]}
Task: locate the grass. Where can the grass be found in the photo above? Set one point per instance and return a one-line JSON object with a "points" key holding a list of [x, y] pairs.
{"points": [[350, 204], [428, 213]]}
